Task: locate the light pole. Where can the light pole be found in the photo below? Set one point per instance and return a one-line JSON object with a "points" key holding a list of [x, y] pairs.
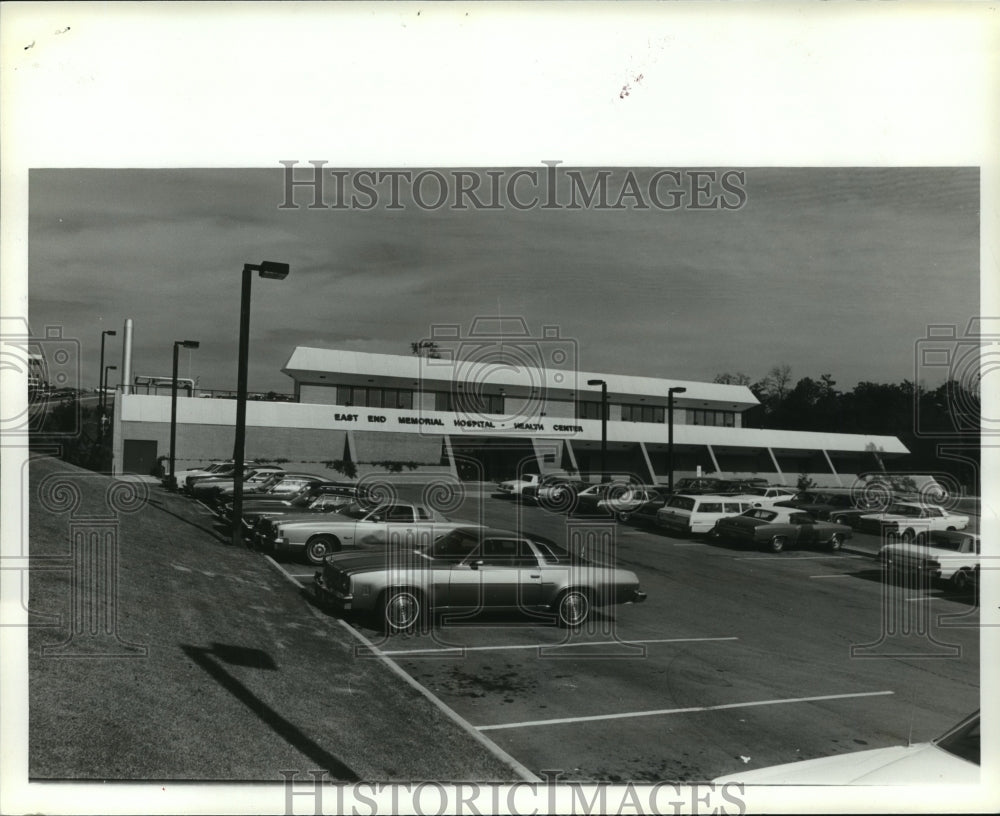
{"points": [[189, 344], [100, 373], [670, 435], [604, 426], [276, 271], [104, 384]]}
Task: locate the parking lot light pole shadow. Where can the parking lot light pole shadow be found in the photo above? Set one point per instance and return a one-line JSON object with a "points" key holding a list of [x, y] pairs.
{"points": [[604, 426], [267, 269], [670, 435], [189, 344]]}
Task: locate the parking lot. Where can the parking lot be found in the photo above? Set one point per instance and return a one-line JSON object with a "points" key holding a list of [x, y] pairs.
{"points": [[738, 659]]}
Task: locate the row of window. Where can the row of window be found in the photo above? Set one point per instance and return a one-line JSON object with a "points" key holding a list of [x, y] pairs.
{"points": [[721, 419], [369, 397], [375, 397]]}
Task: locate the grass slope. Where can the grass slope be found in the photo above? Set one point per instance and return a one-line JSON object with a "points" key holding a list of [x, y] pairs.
{"points": [[241, 678]]}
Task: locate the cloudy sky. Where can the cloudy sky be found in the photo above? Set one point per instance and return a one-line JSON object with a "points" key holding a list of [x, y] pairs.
{"points": [[830, 270]]}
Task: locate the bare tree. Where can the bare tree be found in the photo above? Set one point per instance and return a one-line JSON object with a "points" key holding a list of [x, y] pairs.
{"points": [[426, 348]]}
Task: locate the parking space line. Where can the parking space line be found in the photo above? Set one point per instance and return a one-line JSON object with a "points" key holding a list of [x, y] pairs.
{"points": [[789, 557], [665, 711], [557, 645]]}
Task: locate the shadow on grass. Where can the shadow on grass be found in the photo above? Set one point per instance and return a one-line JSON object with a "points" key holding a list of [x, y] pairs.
{"points": [[211, 661], [179, 517]]}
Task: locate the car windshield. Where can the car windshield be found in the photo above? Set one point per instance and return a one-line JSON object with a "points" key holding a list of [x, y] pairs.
{"points": [[681, 502]]}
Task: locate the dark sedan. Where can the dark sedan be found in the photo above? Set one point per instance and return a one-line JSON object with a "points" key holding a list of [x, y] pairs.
{"points": [[777, 528]]}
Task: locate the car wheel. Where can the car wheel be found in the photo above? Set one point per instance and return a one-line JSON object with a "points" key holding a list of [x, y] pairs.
{"points": [[951, 529], [778, 544], [401, 610], [319, 547], [573, 608], [960, 581], [836, 541], [908, 536], [624, 515]]}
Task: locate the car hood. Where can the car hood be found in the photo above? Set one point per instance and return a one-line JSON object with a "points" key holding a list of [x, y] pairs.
{"points": [[920, 764], [372, 560]]}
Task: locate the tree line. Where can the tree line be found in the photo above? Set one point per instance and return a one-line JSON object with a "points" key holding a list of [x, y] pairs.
{"points": [[940, 426]]}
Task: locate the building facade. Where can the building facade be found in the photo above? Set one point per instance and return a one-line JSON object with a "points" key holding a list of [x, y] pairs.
{"points": [[486, 419]]}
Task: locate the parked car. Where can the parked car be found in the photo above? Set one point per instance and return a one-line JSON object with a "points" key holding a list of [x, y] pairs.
{"points": [[358, 526], [208, 488], [471, 569], [767, 494], [547, 485], [609, 499], [645, 513], [778, 528], [512, 488], [222, 475], [695, 485], [820, 505], [911, 519], [301, 509], [952, 758], [333, 493], [698, 514], [180, 476], [277, 485], [941, 555], [559, 497]]}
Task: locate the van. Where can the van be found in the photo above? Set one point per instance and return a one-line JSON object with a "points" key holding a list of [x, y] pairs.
{"points": [[698, 514]]}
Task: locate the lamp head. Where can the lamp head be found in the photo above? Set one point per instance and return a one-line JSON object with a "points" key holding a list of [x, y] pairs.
{"points": [[187, 343], [273, 269], [110, 368], [678, 390], [595, 382], [110, 332]]}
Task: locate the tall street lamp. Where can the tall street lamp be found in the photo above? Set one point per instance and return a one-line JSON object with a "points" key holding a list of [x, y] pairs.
{"points": [[604, 426], [104, 384], [266, 269], [670, 435], [100, 372], [189, 344]]}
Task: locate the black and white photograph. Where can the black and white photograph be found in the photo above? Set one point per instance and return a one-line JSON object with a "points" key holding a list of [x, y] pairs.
{"points": [[499, 408]]}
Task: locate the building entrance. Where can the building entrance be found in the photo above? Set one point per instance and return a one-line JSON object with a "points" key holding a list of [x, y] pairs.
{"points": [[491, 459]]}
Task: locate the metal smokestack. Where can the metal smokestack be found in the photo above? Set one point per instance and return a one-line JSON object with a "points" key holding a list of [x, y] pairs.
{"points": [[127, 358]]}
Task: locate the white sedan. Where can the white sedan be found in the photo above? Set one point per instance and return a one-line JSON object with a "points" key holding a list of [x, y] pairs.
{"points": [[360, 526], [942, 556], [910, 520], [513, 487]]}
